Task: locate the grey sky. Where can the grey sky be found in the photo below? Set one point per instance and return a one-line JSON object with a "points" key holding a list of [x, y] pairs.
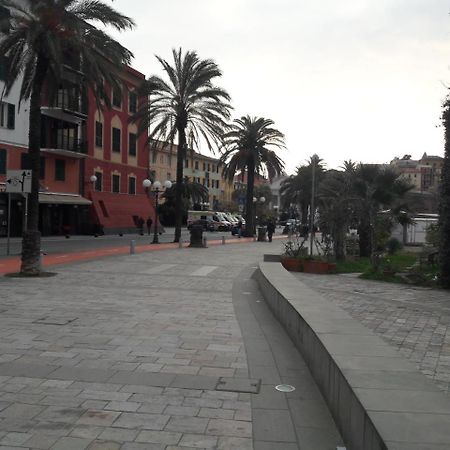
{"points": [[346, 79]]}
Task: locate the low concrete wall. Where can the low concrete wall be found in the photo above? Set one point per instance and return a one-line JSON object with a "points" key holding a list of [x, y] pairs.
{"points": [[378, 399]]}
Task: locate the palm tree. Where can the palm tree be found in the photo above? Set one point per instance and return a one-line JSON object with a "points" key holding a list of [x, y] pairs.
{"points": [[297, 189], [444, 204], [191, 190], [375, 188], [44, 36], [187, 106], [248, 148]]}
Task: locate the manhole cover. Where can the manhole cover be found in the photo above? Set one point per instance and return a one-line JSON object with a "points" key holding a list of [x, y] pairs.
{"points": [[285, 388], [55, 320], [244, 385]]}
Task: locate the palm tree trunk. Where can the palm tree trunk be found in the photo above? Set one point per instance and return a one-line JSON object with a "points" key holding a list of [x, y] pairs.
{"points": [[31, 239], [179, 183], [444, 205], [249, 217]]}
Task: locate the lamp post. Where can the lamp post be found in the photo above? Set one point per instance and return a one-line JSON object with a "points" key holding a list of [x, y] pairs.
{"points": [[255, 201], [314, 160], [157, 190]]}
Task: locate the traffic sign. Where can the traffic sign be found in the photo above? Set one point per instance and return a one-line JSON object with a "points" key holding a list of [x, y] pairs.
{"points": [[18, 181]]}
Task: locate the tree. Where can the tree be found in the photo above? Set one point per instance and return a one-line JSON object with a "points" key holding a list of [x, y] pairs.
{"points": [[297, 189], [187, 106], [336, 204], [375, 187], [249, 149], [44, 36], [444, 204]]}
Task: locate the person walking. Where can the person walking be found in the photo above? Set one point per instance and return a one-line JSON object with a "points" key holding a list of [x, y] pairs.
{"points": [[149, 225], [239, 227], [270, 229], [140, 224]]}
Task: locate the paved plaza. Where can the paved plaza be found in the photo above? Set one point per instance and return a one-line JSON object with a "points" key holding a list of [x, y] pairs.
{"points": [[413, 319], [145, 352]]}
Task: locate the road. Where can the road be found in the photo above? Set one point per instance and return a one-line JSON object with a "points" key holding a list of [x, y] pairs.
{"points": [[60, 244]]}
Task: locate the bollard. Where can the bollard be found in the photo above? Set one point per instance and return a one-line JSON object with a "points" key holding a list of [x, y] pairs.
{"points": [[132, 247], [180, 244], [254, 238], [223, 240], [205, 242]]}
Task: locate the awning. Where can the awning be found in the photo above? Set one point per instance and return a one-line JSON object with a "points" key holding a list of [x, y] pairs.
{"points": [[62, 199]]}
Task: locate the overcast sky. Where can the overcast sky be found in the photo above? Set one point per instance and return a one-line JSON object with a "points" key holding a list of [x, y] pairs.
{"points": [[346, 79]]}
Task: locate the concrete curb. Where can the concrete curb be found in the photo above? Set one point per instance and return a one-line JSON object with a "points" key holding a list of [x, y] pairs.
{"points": [[378, 399]]}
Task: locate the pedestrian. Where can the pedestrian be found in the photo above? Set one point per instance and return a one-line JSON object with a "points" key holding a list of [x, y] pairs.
{"points": [[149, 225], [140, 223], [239, 227], [270, 229]]}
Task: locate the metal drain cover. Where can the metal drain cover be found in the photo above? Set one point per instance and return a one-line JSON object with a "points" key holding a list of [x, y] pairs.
{"points": [[243, 385], [285, 388]]}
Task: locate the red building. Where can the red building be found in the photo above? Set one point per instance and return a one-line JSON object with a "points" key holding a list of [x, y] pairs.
{"points": [[81, 143]]}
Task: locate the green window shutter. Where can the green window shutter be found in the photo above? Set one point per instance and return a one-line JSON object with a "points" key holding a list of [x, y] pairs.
{"points": [[11, 116], [2, 161]]}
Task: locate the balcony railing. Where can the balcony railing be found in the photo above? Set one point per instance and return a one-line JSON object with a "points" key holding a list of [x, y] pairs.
{"points": [[71, 102], [64, 143]]}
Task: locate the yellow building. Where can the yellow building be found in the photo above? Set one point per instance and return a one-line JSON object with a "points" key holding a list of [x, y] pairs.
{"points": [[203, 169]]}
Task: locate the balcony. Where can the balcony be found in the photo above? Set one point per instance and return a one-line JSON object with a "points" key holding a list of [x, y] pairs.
{"points": [[64, 145], [69, 104]]}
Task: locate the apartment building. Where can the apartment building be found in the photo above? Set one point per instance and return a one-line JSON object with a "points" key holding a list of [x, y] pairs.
{"points": [[202, 169], [424, 174], [92, 161]]}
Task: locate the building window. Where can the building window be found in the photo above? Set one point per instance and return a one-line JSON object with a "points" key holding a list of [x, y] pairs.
{"points": [[5, 17], [25, 161], [132, 99], [98, 186], [116, 135], [213, 168], [2, 161], [204, 166], [42, 168], [132, 185], [117, 97], [209, 167], [196, 165], [98, 134], [60, 170], [132, 144], [154, 155], [186, 163], [207, 182], [116, 184], [7, 115]]}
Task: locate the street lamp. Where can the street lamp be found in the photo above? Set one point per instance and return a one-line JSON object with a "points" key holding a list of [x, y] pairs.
{"points": [[157, 190], [255, 201], [314, 160]]}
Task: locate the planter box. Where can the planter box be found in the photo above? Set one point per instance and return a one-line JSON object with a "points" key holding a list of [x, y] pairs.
{"points": [[320, 267], [291, 264]]}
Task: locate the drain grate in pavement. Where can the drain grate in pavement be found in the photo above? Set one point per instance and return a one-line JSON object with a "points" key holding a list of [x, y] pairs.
{"points": [[242, 385], [49, 320]]}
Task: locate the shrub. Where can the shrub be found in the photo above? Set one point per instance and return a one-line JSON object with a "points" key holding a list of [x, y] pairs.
{"points": [[393, 245]]}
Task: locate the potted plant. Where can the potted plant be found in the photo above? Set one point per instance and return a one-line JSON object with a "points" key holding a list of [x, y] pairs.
{"points": [[294, 254]]}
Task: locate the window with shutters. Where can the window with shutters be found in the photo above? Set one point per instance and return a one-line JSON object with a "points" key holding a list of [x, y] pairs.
{"points": [[132, 185], [98, 134], [132, 102], [98, 185], [132, 144], [2, 161], [116, 183], [117, 97], [116, 134], [7, 115]]}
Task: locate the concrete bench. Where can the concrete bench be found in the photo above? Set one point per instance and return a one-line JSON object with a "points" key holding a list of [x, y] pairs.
{"points": [[378, 399]]}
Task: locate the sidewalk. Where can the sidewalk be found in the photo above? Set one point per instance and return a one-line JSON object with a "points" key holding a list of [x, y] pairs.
{"points": [[145, 352]]}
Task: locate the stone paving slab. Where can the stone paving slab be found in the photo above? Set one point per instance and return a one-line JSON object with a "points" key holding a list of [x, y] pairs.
{"points": [[416, 321]]}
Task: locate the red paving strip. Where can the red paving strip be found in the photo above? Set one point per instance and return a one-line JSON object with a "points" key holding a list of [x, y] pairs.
{"points": [[12, 265]]}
